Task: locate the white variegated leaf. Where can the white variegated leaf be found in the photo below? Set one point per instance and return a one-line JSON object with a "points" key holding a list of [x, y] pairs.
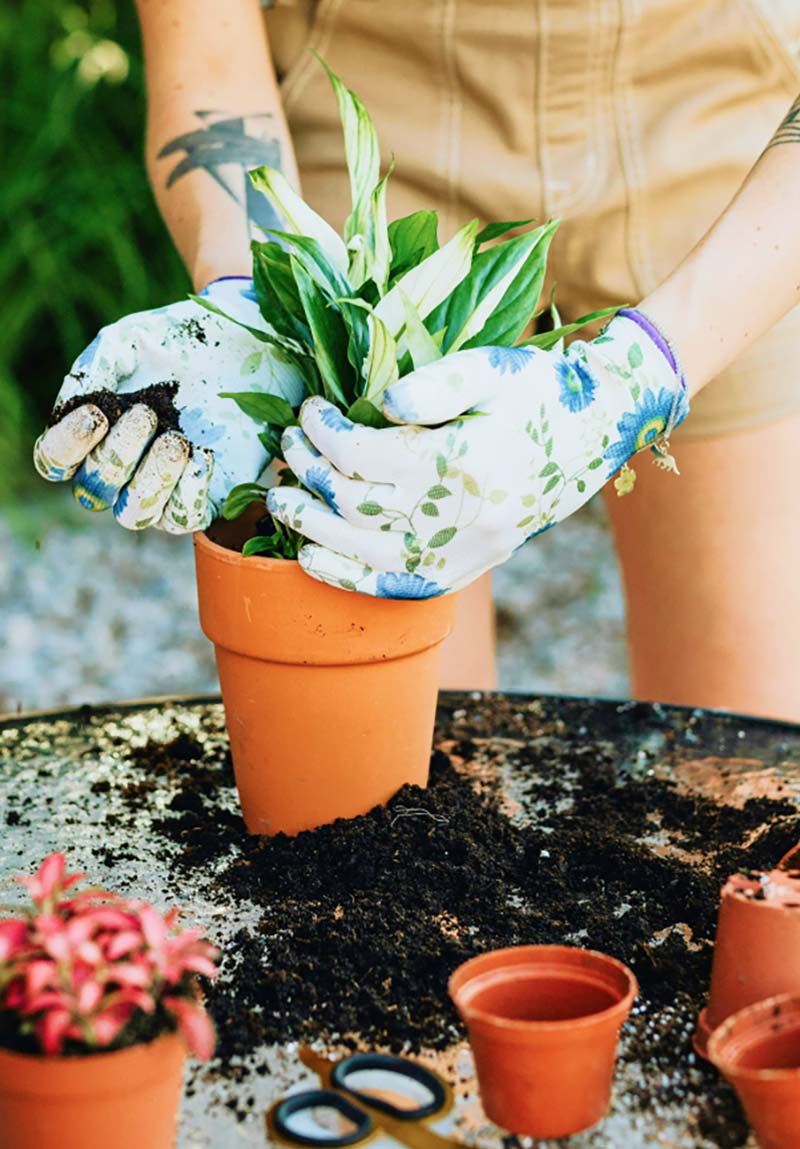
{"points": [[300, 218], [431, 281]]}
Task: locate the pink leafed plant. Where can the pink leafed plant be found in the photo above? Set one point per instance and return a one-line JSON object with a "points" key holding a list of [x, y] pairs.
{"points": [[85, 971]]}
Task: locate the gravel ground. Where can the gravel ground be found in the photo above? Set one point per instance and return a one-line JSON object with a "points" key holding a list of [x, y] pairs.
{"points": [[91, 613]]}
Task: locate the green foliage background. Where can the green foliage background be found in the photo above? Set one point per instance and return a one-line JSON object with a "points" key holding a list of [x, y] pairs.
{"points": [[81, 240]]}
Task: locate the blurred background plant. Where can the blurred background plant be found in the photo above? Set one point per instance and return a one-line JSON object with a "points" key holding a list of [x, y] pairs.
{"points": [[83, 242]]}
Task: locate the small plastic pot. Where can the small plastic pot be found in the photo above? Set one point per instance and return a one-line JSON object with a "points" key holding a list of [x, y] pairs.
{"points": [[543, 1024], [757, 948], [129, 1099], [758, 1051]]}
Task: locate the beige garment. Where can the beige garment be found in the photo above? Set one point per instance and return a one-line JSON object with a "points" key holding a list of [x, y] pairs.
{"points": [[634, 121]]}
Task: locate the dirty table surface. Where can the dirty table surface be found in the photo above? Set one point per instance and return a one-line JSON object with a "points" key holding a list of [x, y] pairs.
{"points": [[62, 777]]}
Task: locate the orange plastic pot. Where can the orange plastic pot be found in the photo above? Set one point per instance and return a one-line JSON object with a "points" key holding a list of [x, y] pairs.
{"points": [[758, 1051], [330, 696], [757, 948], [543, 1024], [124, 1100]]}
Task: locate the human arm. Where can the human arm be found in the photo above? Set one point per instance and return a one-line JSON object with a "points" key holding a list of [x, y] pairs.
{"points": [[213, 113], [744, 274]]}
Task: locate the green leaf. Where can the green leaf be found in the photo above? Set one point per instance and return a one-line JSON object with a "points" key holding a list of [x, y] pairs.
{"points": [[300, 218], [262, 407], [330, 338], [437, 491], [413, 563], [526, 521], [441, 466], [548, 469], [309, 254], [370, 508], [261, 544], [581, 486], [495, 230], [430, 509], [367, 414], [276, 291], [465, 312], [241, 497], [431, 281], [595, 463], [545, 340], [470, 485], [551, 484], [271, 441], [442, 537], [498, 497], [635, 356], [412, 239], [361, 151], [416, 338], [380, 366], [513, 311]]}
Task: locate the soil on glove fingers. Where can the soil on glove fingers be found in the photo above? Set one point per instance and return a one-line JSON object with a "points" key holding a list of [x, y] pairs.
{"points": [[159, 397]]}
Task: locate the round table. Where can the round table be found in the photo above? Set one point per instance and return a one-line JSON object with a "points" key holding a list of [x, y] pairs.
{"points": [[75, 781]]}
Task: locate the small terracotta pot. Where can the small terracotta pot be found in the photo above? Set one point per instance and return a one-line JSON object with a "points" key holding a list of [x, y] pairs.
{"points": [[543, 1024], [758, 1051], [756, 953], [330, 696], [124, 1100]]}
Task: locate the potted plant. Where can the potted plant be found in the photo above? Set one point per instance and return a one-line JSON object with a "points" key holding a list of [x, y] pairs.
{"points": [[329, 696], [98, 1004]]}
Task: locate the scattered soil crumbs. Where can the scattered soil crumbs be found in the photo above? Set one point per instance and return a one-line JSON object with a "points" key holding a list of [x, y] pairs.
{"points": [[362, 922], [159, 397]]}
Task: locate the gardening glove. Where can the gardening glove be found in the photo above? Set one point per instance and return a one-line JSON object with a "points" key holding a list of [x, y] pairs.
{"points": [[502, 443], [170, 458]]}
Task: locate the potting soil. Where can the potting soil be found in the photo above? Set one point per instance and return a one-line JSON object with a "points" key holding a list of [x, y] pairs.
{"points": [[611, 827], [159, 397]]}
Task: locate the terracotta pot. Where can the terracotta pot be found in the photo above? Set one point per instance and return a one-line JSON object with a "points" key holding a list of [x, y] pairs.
{"points": [[330, 696], [757, 949], [124, 1100], [543, 1024], [758, 1051]]}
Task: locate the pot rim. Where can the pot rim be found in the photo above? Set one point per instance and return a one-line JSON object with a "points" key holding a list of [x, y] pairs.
{"points": [[67, 1072], [757, 1014], [516, 1026], [227, 555]]}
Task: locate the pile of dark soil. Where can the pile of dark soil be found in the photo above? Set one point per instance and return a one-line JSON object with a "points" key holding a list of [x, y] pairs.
{"points": [[364, 920], [159, 397]]}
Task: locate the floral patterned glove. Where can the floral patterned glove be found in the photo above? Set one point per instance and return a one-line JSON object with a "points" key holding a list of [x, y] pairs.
{"points": [[177, 479], [422, 510]]}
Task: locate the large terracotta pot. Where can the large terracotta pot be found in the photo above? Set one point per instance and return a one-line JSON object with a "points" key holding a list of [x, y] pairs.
{"points": [[543, 1025], [757, 948], [124, 1100], [758, 1051], [330, 696]]}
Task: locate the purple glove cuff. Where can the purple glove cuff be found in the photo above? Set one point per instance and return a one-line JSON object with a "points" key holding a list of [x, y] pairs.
{"points": [[658, 337]]}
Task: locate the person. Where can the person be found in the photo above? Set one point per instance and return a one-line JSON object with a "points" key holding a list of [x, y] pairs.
{"points": [[651, 131]]}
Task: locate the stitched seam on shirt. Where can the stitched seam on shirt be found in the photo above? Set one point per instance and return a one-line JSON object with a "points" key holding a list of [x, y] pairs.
{"points": [[753, 11], [450, 144], [319, 38], [638, 255]]}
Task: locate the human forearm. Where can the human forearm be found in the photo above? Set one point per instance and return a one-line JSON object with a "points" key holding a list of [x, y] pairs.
{"points": [[213, 112], [744, 275]]}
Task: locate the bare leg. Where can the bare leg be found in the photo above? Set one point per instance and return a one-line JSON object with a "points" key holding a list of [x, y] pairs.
{"points": [[468, 661], [711, 567]]}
